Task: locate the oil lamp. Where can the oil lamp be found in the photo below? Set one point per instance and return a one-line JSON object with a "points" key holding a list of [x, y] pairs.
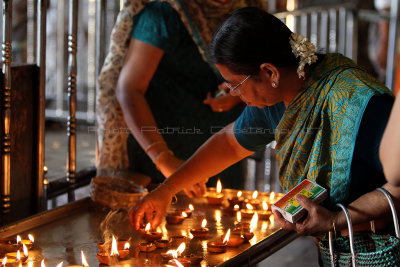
{"points": [[176, 217], [28, 242], [216, 198], [147, 247], [202, 231], [254, 201], [236, 200], [151, 236], [218, 246], [188, 210], [248, 212], [17, 255], [264, 214], [233, 241], [177, 239], [163, 243], [114, 255], [174, 254]]}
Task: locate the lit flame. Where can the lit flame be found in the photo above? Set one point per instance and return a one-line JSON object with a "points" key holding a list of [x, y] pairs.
{"points": [[239, 216], [20, 264], [253, 222], [204, 223], [60, 264], [3, 263], [18, 256], [184, 214], [30, 264], [31, 238], [249, 206], [147, 228], [271, 197], [255, 193], [236, 207], [178, 263], [173, 253], [181, 248], [265, 205], [114, 247], [127, 246], [239, 194], [19, 240], [226, 238], [24, 248], [219, 186], [191, 207], [42, 264], [84, 262]]}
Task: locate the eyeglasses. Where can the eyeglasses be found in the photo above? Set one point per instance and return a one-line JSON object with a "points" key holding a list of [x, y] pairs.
{"points": [[234, 89]]}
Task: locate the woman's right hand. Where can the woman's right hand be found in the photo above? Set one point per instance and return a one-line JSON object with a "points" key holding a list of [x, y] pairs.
{"points": [[151, 208]]}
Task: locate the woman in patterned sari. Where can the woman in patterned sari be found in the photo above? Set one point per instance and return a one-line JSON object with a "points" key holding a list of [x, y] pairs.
{"points": [[153, 85], [326, 114]]}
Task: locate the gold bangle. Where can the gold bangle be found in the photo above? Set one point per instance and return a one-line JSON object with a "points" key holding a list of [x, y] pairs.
{"points": [[153, 145], [157, 158], [333, 224]]}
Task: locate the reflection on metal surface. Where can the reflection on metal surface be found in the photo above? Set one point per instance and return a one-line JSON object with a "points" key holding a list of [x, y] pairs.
{"points": [[63, 238]]}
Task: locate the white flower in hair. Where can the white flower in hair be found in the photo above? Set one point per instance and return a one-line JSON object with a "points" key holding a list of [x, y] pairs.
{"points": [[302, 48]]}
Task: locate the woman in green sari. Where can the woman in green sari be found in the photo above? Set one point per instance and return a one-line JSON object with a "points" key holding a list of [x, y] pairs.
{"points": [[325, 113]]}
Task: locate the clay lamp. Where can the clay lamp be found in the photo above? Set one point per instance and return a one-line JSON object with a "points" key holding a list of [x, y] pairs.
{"points": [[188, 211], [149, 235], [84, 262], [174, 254], [264, 214], [239, 225], [236, 200], [254, 201], [147, 247], [17, 255], [114, 256], [10, 262], [219, 246], [9, 245], [194, 260], [182, 262], [163, 243], [216, 198], [121, 244], [177, 239], [234, 240], [248, 212], [201, 232], [176, 217], [247, 235], [27, 242]]}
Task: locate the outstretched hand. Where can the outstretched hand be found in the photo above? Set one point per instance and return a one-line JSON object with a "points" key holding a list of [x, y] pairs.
{"points": [[151, 208], [196, 190], [319, 219], [222, 103]]}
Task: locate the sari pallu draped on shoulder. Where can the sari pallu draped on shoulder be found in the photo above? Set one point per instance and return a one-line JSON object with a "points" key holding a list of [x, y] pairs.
{"points": [[112, 131], [317, 133]]}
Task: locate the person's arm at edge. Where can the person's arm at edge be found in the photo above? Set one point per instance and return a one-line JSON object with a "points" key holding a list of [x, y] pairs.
{"points": [[389, 150], [218, 153]]}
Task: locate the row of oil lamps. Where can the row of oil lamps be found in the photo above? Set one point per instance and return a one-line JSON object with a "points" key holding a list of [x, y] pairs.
{"points": [[118, 250]]}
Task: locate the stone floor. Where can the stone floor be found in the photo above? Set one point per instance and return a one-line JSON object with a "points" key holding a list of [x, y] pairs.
{"points": [[300, 253]]}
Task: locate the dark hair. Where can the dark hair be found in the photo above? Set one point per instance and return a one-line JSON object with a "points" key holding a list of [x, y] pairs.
{"points": [[250, 37]]}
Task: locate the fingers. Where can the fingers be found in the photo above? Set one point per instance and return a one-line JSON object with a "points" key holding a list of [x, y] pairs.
{"points": [[189, 193], [305, 202], [208, 100], [136, 216], [282, 222]]}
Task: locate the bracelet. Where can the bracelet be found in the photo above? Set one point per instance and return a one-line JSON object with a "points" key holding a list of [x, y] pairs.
{"points": [[153, 145], [157, 158], [333, 224]]}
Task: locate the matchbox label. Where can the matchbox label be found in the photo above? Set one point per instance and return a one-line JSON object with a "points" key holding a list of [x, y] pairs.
{"points": [[307, 188]]}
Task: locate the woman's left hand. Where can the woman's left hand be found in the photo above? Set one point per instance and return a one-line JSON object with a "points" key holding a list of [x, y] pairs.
{"points": [[318, 220], [222, 103]]}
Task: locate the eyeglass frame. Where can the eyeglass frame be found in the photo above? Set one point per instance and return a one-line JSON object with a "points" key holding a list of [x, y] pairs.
{"points": [[234, 88]]}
